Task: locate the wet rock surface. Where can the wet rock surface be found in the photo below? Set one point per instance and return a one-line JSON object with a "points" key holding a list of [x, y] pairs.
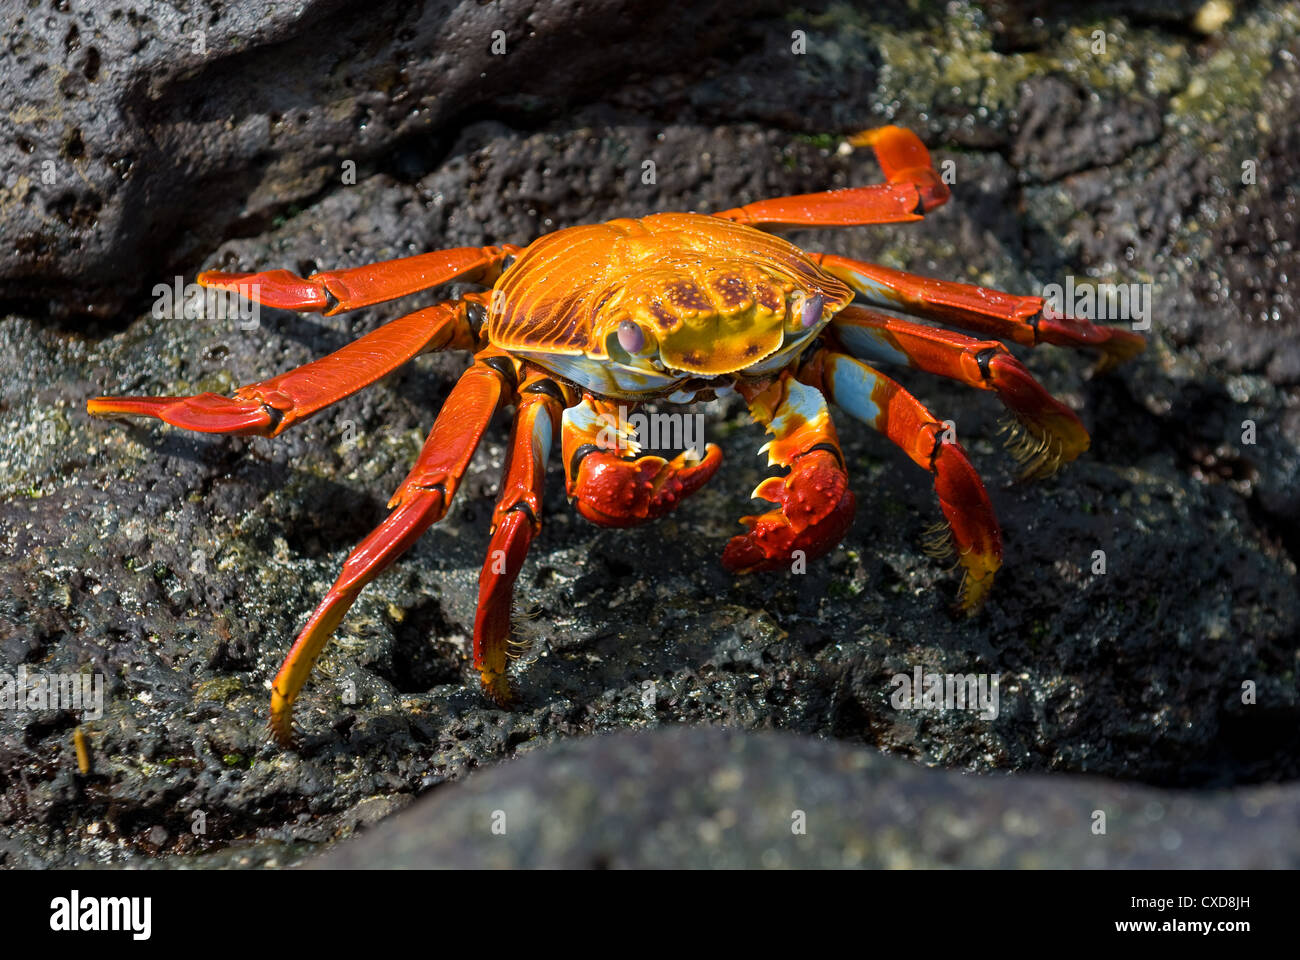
{"points": [[179, 567]]}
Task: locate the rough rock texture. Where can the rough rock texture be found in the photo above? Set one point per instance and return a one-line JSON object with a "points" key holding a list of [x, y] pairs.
{"points": [[169, 127], [180, 567]]}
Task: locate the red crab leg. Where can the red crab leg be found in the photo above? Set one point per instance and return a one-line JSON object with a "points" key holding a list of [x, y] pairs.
{"points": [[421, 500], [335, 291], [1054, 433], [984, 311], [515, 521], [268, 408], [814, 502], [614, 487], [879, 402], [914, 188]]}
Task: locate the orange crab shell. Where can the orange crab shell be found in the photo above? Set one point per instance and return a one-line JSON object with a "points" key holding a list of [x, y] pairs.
{"points": [[715, 296]]}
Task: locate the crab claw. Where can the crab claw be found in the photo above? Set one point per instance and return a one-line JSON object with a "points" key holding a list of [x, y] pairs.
{"points": [[816, 508], [205, 412], [614, 492]]}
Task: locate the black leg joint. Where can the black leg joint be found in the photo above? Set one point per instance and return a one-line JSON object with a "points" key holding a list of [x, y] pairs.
{"points": [[983, 358], [503, 366], [523, 507], [547, 387], [839, 457], [476, 314], [579, 455]]}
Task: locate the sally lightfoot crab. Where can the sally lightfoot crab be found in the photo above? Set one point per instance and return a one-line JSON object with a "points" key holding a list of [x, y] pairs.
{"points": [[680, 306]]}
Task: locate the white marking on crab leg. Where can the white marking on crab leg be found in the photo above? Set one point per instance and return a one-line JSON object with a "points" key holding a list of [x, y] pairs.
{"points": [[610, 430], [542, 438], [870, 290], [801, 405], [852, 385], [869, 343]]}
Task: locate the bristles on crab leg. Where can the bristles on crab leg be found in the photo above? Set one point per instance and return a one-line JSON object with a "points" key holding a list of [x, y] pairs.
{"points": [[421, 500], [1053, 434]]}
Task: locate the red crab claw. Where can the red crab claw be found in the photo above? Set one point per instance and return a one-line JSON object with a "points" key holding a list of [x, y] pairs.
{"points": [[206, 412], [816, 508], [614, 492]]}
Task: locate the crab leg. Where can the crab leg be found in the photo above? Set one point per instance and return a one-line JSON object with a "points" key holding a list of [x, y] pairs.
{"points": [[271, 406], [1052, 433], [914, 189], [613, 486], [515, 521], [421, 500], [335, 291], [979, 309], [879, 402]]}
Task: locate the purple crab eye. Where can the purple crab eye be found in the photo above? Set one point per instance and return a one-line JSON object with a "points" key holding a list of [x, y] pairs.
{"points": [[812, 311], [630, 337]]}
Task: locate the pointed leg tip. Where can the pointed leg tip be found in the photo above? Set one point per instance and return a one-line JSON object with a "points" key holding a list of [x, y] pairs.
{"points": [[204, 413], [283, 733], [498, 688], [116, 408], [973, 594], [219, 279], [874, 135]]}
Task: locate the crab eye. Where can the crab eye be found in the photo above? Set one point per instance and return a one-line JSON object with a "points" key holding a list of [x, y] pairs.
{"points": [[812, 311], [631, 337]]}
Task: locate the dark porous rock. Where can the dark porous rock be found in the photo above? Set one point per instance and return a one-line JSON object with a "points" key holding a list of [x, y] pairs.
{"points": [[676, 798], [1143, 628], [141, 134]]}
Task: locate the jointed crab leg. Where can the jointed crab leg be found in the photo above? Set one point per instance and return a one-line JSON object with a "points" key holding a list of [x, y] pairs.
{"points": [[879, 402], [335, 291], [613, 486], [814, 502], [914, 188], [979, 309], [515, 521], [421, 500], [1054, 433], [272, 406]]}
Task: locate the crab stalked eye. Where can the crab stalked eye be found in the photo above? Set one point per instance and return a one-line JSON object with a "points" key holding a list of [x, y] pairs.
{"points": [[630, 337], [812, 311]]}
